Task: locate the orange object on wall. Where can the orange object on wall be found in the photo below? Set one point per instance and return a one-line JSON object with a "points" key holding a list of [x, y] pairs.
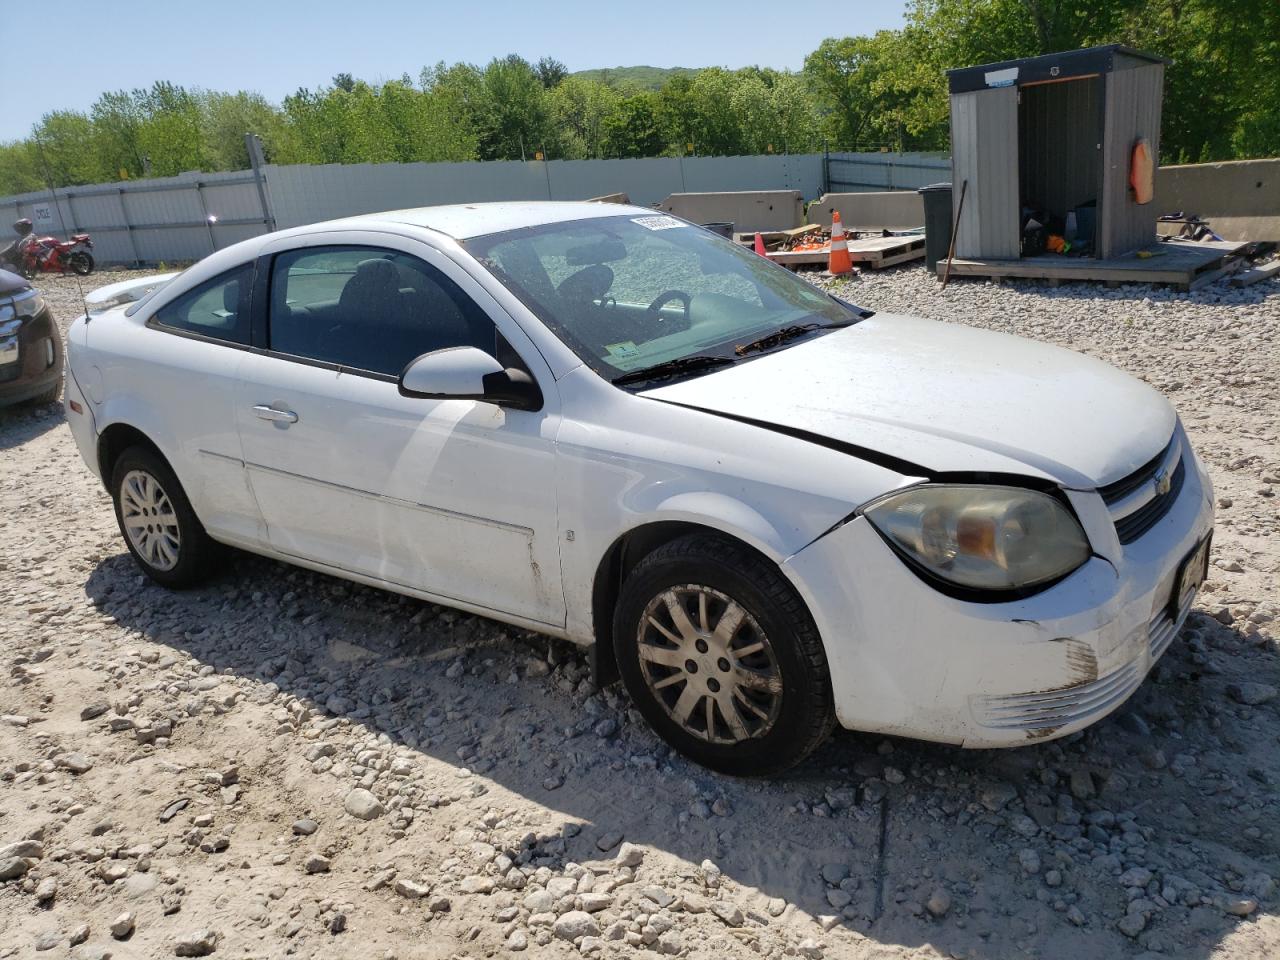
{"points": [[1142, 172]]}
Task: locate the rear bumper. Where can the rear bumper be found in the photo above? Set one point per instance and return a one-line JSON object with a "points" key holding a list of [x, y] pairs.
{"points": [[909, 661]]}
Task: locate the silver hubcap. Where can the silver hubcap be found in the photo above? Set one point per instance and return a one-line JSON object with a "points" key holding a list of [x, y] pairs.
{"points": [[149, 519], [709, 664]]}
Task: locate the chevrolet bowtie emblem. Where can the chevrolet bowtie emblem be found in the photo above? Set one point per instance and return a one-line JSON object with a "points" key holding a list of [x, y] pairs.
{"points": [[1163, 483]]}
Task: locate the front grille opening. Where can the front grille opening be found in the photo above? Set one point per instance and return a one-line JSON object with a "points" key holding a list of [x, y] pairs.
{"points": [[1133, 526], [1113, 492]]}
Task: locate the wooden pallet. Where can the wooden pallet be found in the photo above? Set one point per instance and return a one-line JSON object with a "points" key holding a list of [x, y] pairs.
{"points": [[1185, 264], [874, 252]]}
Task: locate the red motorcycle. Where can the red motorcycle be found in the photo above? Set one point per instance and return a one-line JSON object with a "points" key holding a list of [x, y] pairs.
{"points": [[49, 255]]}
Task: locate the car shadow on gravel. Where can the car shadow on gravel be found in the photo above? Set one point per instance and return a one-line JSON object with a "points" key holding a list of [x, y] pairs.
{"points": [[24, 422], [1150, 830]]}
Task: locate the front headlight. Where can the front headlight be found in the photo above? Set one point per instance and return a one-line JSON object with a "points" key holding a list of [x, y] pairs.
{"points": [[982, 537]]}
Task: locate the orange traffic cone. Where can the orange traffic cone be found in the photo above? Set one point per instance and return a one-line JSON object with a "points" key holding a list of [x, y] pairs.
{"points": [[838, 261], [760, 245]]}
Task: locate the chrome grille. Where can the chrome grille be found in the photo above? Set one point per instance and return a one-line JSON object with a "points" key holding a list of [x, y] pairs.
{"points": [[1138, 501]]}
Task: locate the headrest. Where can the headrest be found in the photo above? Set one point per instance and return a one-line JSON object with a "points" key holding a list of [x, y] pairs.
{"points": [[231, 296], [378, 270]]}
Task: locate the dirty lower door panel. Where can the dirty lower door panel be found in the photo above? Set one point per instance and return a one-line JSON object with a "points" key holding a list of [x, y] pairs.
{"points": [[454, 497]]}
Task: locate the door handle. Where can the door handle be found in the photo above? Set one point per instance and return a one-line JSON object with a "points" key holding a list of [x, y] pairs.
{"points": [[264, 412]]}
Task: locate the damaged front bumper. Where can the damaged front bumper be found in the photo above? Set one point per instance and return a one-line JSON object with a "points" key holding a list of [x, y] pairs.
{"points": [[908, 661]]}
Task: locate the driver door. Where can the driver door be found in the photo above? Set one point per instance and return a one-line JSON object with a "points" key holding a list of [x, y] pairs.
{"points": [[453, 497]]}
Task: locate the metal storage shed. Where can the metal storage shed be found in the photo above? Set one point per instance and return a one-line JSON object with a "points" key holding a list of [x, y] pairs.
{"points": [[1055, 134]]}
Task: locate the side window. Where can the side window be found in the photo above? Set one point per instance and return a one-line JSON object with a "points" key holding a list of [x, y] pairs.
{"points": [[369, 309], [218, 308]]}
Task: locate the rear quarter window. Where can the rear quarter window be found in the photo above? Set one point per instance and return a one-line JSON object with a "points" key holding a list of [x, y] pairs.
{"points": [[217, 309]]}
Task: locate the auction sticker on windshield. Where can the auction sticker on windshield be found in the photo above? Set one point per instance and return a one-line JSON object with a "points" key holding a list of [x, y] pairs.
{"points": [[658, 223]]}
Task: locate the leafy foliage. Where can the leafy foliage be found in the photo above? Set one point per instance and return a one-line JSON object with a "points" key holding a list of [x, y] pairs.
{"points": [[1222, 100]]}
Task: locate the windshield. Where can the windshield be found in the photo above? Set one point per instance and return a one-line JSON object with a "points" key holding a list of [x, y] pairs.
{"points": [[627, 293]]}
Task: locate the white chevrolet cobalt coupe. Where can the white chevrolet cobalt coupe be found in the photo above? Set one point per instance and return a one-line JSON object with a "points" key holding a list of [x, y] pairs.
{"points": [[768, 510]]}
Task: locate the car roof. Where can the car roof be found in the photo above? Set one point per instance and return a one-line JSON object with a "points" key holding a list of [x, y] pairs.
{"points": [[462, 221]]}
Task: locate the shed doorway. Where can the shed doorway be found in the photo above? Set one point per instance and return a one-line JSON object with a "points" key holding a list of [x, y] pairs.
{"points": [[1060, 163]]}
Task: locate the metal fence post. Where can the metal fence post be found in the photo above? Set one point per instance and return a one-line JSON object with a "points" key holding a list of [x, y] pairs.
{"points": [[128, 226], [254, 145], [204, 212]]}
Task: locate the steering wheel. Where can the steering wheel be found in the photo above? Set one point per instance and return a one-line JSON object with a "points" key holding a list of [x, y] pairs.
{"points": [[662, 299]]}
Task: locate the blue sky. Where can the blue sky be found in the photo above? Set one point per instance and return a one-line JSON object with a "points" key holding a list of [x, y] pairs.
{"points": [[275, 47]]}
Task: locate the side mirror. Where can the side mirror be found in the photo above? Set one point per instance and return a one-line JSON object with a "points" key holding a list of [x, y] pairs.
{"points": [[468, 373]]}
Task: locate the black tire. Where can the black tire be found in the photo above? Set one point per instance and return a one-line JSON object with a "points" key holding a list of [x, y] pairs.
{"points": [[727, 572], [195, 552], [81, 263]]}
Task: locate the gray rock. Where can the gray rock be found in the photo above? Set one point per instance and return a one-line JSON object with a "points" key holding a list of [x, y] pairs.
{"points": [[1132, 924], [730, 915], [939, 902], [1053, 878], [607, 841], [1135, 877], [46, 891], [1240, 906], [198, 943], [363, 805], [574, 924], [1023, 825], [79, 935], [776, 907], [48, 940], [316, 864], [996, 796], [77, 763], [629, 855], [410, 889], [595, 902], [30, 849], [122, 926], [95, 710], [833, 873], [1251, 694], [539, 901], [1029, 860], [305, 827], [11, 868], [519, 941]]}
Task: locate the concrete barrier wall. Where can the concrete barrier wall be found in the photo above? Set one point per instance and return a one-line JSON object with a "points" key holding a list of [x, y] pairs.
{"points": [[895, 210], [748, 211], [1240, 199]]}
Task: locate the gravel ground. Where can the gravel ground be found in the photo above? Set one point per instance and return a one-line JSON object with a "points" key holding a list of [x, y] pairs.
{"points": [[282, 763]]}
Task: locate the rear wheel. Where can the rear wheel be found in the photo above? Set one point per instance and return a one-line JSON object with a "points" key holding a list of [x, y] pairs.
{"points": [[81, 263], [159, 527], [722, 657]]}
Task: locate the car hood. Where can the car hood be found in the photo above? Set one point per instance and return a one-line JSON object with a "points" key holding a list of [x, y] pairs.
{"points": [[943, 398]]}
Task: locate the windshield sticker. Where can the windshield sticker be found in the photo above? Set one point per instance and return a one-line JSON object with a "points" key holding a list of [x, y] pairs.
{"points": [[625, 349], [658, 223]]}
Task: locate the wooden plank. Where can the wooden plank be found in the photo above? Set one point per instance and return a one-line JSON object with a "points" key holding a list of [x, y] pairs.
{"points": [[917, 254], [1176, 263], [875, 251], [1250, 277]]}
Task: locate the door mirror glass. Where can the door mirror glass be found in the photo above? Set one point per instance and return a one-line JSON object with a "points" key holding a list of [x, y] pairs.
{"points": [[468, 373]]}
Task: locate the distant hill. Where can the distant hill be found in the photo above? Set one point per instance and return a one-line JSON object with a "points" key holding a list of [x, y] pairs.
{"points": [[634, 78]]}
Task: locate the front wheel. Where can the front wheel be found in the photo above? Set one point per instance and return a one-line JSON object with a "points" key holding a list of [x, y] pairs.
{"points": [[81, 263], [721, 656], [159, 527]]}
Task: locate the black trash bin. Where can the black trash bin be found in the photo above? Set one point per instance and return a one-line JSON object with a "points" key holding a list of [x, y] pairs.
{"points": [[937, 223]]}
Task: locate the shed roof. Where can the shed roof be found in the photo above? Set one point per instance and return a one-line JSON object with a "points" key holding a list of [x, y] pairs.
{"points": [[1051, 66]]}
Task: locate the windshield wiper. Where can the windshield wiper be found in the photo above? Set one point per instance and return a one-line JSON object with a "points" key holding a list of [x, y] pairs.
{"points": [[782, 336], [670, 368]]}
